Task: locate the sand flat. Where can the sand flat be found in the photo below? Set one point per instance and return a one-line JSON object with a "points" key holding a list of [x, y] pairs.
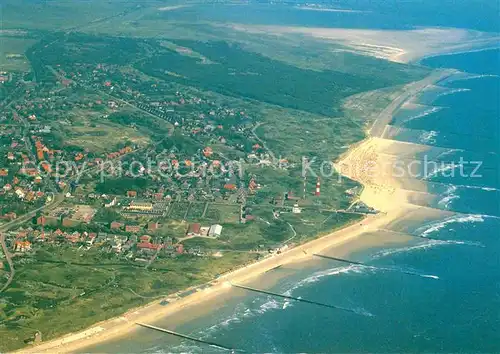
{"points": [[401, 46]]}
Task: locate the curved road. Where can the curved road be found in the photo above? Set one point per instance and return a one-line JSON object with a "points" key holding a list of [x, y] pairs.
{"points": [[411, 90]]}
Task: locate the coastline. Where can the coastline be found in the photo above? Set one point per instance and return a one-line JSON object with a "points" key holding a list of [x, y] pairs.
{"points": [[455, 52], [383, 195], [121, 326]]}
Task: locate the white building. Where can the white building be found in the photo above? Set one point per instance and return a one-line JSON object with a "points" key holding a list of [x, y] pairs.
{"points": [[215, 230], [111, 203]]}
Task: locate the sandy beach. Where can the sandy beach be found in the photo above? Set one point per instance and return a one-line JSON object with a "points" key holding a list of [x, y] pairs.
{"points": [[122, 325], [381, 191]]}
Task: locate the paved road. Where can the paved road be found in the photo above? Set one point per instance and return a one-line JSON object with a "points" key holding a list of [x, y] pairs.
{"points": [[269, 151], [58, 199], [9, 261], [411, 90]]}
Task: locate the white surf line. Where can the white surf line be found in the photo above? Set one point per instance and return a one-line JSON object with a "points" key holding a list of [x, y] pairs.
{"points": [[393, 269], [484, 188], [443, 163], [434, 240], [328, 9], [491, 46], [392, 126], [408, 234]]}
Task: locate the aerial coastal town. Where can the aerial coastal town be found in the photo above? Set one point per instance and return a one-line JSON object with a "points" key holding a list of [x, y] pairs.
{"points": [[135, 167], [123, 191], [124, 198]]}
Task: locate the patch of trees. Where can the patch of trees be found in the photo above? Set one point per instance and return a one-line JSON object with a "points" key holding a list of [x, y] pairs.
{"points": [[240, 73], [122, 185]]}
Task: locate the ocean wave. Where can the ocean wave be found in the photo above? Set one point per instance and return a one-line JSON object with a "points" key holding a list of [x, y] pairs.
{"points": [[271, 304], [429, 276], [428, 137], [471, 77], [453, 91], [426, 230], [352, 268], [446, 202], [449, 197], [423, 246], [487, 189], [410, 272], [424, 113], [448, 152], [444, 168], [184, 347]]}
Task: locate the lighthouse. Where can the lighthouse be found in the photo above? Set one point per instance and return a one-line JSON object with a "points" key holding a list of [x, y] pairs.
{"points": [[317, 188]]}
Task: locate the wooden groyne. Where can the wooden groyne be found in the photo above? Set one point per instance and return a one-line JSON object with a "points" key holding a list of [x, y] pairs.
{"points": [[376, 267], [294, 298], [185, 336]]}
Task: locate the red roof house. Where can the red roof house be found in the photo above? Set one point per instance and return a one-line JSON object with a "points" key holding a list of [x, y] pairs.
{"points": [[153, 226], [194, 229], [116, 225], [41, 220], [132, 228]]}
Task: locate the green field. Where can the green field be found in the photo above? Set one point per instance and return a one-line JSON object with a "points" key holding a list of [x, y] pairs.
{"points": [[71, 289], [104, 137], [25, 14], [12, 51]]}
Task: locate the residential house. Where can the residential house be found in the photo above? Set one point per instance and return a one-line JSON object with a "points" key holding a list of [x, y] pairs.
{"points": [[133, 228], [115, 225], [74, 237], [147, 246], [131, 194], [41, 220], [92, 238], [194, 229], [153, 226], [204, 230], [9, 216], [22, 246]]}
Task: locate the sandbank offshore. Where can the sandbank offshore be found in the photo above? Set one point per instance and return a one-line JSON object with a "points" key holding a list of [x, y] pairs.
{"points": [[400, 46]]}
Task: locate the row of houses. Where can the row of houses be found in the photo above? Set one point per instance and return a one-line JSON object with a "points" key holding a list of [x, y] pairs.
{"points": [[117, 225], [23, 239], [208, 231]]}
